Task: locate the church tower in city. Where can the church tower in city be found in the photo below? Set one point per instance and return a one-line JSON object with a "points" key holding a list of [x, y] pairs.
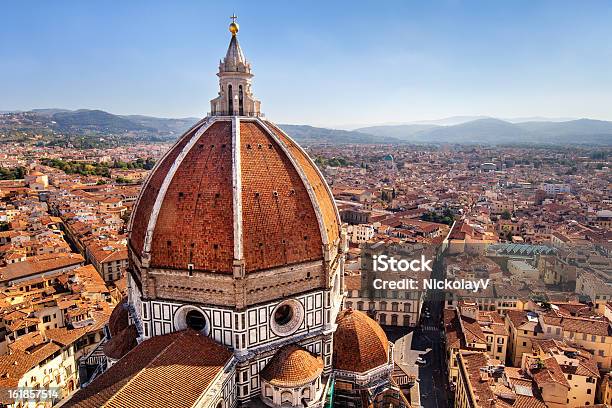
{"points": [[235, 282]]}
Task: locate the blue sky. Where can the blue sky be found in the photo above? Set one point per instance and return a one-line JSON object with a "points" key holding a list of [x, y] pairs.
{"points": [[323, 63]]}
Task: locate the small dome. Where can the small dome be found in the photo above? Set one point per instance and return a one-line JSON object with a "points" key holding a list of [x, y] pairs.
{"points": [[121, 343], [118, 319], [292, 366], [360, 344]]}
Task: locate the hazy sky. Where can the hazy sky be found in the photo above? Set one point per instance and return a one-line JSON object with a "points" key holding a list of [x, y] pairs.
{"points": [[322, 63]]}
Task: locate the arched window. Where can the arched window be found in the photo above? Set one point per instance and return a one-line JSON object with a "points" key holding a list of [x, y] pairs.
{"points": [[230, 100], [286, 396], [240, 101], [306, 394]]}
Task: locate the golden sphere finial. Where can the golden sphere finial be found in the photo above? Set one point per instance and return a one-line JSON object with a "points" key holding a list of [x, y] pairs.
{"points": [[234, 27]]}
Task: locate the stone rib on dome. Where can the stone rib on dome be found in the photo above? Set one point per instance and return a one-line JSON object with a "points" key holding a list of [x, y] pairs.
{"points": [[360, 344], [194, 225], [292, 366], [150, 189], [324, 197], [211, 204]]}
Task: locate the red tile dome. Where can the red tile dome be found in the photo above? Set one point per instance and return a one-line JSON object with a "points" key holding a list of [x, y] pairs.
{"points": [[233, 189], [292, 366], [360, 344]]}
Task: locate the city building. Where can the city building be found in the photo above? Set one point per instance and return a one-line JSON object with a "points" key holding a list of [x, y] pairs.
{"points": [[483, 382], [468, 328], [575, 364], [556, 188], [591, 332]]}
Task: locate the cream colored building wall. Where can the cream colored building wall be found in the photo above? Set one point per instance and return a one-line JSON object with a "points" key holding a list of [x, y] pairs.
{"points": [[46, 375], [501, 305], [600, 346], [453, 371], [463, 393], [497, 347], [581, 391], [604, 391], [456, 246], [554, 395], [519, 343], [54, 315], [406, 311]]}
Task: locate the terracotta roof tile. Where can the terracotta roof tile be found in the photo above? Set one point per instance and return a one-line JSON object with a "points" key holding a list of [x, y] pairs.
{"points": [[324, 198], [360, 344], [155, 373], [195, 222], [40, 264], [550, 372], [149, 192], [292, 366], [14, 366], [279, 222]]}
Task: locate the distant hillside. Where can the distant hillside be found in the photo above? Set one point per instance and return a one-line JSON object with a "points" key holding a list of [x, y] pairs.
{"points": [[573, 131], [477, 131], [401, 132], [451, 121], [165, 125], [496, 131], [87, 128], [97, 121], [311, 135], [49, 111]]}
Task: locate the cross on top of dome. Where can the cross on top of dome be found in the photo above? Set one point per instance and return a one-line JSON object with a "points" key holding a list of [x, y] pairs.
{"points": [[234, 27]]}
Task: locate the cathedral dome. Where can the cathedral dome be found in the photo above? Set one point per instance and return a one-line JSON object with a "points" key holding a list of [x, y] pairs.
{"points": [[233, 197], [235, 194], [360, 344], [233, 190]]}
